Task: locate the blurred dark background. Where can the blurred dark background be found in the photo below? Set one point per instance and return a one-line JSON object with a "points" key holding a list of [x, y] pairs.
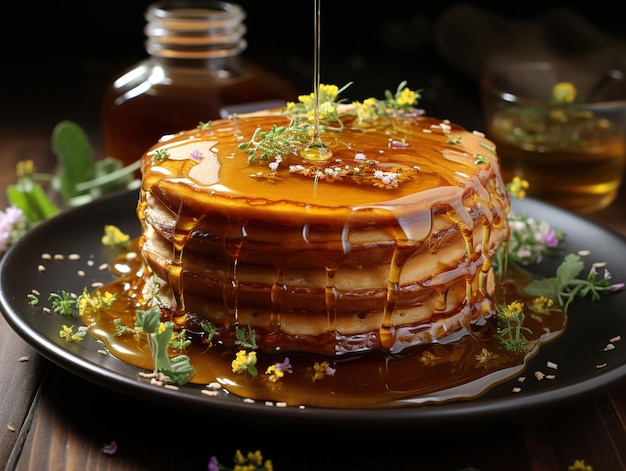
{"points": [[59, 56]]}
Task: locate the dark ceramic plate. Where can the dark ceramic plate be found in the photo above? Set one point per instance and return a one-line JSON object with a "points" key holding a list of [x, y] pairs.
{"points": [[578, 352]]}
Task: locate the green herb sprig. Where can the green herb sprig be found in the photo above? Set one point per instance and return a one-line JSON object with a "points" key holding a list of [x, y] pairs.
{"points": [[159, 334], [567, 286]]}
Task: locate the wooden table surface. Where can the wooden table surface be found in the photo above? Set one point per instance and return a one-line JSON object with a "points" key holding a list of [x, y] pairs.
{"points": [[47, 418]]}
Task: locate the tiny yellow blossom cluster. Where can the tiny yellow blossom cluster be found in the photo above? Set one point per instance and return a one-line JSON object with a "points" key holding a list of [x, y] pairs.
{"points": [[517, 187], [114, 237], [564, 92], [67, 333], [93, 303]]}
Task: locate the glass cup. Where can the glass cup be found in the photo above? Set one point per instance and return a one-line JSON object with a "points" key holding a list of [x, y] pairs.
{"points": [[561, 128]]}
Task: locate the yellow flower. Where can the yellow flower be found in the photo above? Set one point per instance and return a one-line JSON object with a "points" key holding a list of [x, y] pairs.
{"points": [[114, 237], [67, 334], [564, 92], [90, 304], [542, 304], [580, 465], [517, 187], [274, 373], [243, 360], [407, 97], [25, 167], [319, 370], [328, 92]]}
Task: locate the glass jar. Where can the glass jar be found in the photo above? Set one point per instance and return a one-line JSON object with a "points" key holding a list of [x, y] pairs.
{"points": [[195, 73]]}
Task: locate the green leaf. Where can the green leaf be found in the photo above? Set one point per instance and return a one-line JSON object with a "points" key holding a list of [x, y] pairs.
{"points": [[548, 287], [569, 269], [75, 158], [32, 199]]}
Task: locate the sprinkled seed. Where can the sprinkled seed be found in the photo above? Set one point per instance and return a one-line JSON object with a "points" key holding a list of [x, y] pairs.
{"points": [[24, 358], [610, 346], [599, 264], [59, 256], [80, 272], [209, 392], [97, 284], [41, 268], [10, 428], [103, 352], [549, 376], [601, 365], [584, 253], [249, 401], [74, 256], [214, 385], [103, 266], [269, 403], [516, 390], [615, 339], [173, 387], [539, 375], [521, 379], [46, 310], [46, 256], [35, 292], [552, 365], [478, 133], [281, 404]]}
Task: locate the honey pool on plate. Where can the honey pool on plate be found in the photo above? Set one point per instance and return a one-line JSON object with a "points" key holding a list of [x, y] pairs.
{"points": [[460, 368]]}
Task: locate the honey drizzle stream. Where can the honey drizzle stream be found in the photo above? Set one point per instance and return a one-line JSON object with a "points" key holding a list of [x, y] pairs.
{"points": [[316, 151]]}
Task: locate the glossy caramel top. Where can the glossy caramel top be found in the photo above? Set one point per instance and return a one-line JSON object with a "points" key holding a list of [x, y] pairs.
{"points": [[389, 166]]}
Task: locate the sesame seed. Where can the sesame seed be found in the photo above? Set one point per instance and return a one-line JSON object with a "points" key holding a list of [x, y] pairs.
{"points": [[74, 256]]}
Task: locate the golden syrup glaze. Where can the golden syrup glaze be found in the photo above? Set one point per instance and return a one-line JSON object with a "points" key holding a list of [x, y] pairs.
{"points": [[285, 220]]}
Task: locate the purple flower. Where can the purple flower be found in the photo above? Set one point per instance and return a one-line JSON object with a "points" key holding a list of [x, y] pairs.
{"points": [[12, 216], [213, 464], [360, 157], [551, 240], [617, 287], [110, 449], [196, 154], [285, 366]]}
